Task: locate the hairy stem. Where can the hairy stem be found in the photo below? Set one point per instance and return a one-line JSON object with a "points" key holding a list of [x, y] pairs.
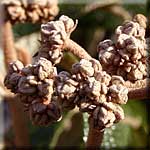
{"points": [[76, 49], [8, 44], [95, 137], [18, 121], [136, 85], [138, 90], [139, 94], [110, 6], [23, 55]]}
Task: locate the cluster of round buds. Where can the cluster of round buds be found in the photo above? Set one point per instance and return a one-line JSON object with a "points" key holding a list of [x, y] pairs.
{"points": [[30, 10], [35, 84], [127, 55], [92, 89], [66, 90], [88, 87], [53, 36]]}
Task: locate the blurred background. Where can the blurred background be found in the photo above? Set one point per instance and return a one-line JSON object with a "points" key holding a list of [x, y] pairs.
{"points": [[96, 22]]}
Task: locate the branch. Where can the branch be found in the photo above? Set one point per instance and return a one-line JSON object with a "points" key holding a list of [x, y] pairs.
{"points": [[138, 90], [113, 7], [19, 123], [136, 85], [23, 55], [8, 44], [139, 94], [94, 137], [76, 49]]}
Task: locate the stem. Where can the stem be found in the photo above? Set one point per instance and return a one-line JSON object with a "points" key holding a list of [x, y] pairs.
{"points": [[76, 49], [23, 55], [94, 137], [138, 90], [8, 44], [139, 94], [136, 85], [18, 121], [110, 6], [119, 11]]}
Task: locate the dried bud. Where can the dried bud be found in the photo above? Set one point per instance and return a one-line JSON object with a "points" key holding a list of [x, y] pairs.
{"points": [[103, 118], [45, 88], [56, 32], [44, 114], [141, 19], [11, 81], [16, 66], [25, 87], [118, 94], [107, 53], [92, 88], [56, 56], [66, 89], [84, 67], [30, 10], [69, 24], [44, 69], [86, 106], [103, 77], [124, 57]]}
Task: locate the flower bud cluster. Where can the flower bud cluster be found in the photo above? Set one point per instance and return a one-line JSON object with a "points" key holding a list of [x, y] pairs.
{"points": [[126, 56], [35, 84], [53, 36], [92, 89], [45, 93], [30, 10]]}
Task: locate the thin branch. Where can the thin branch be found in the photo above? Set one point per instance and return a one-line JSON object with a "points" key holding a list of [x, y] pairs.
{"points": [[139, 94], [136, 85], [8, 44], [19, 123], [76, 49], [138, 90], [94, 137], [23, 55], [119, 11], [97, 5], [113, 7]]}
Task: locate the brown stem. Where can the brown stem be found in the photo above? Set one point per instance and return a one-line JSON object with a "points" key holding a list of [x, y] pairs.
{"points": [[136, 85], [23, 55], [76, 49], [18, 121], [119, 11], [139, 94], [8, 44], [138, 90], [94, 137], [109, 6]]}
